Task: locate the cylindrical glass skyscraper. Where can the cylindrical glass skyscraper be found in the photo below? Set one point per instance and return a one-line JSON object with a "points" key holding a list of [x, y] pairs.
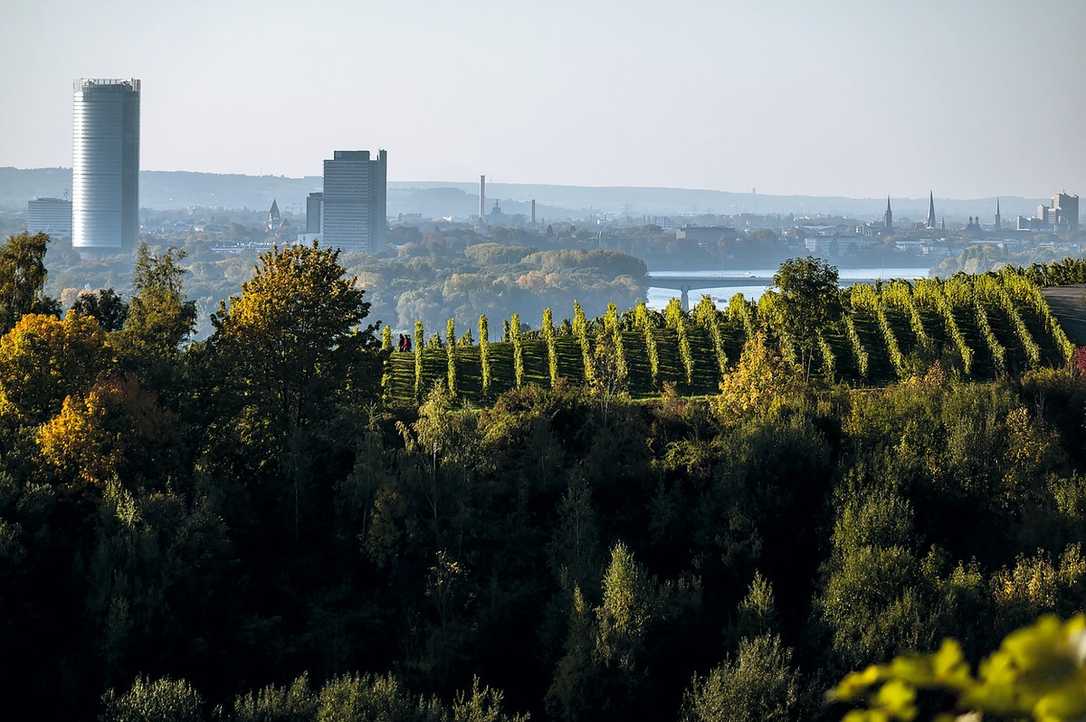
{"points": [[105, 165]]}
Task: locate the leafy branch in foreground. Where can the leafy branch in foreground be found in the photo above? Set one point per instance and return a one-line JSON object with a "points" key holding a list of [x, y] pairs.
{"points": [[1038, 671]]}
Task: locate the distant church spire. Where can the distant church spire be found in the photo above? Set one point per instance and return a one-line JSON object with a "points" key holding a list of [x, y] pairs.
{"points": [[931, 209], [888, 217], [998, 219]]}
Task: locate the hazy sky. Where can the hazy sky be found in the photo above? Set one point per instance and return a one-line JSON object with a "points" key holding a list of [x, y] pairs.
{"points": [[858, 98]]}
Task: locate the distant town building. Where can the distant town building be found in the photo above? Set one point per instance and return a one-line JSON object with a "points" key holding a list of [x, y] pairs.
{"points": [[998, 219], [275, 220], [888, 217], [1066, 208], [705, 235], [313, 210], [105, 164], [931, 210], [52, 216], [354, 202], [482, 199]]}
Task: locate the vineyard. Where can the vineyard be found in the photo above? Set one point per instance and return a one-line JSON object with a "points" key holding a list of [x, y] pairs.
{"points": [[985, 326]]}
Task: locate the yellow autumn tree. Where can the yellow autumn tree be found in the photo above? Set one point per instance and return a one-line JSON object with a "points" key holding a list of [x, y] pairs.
{"points": [[44, 359], [114, 432], [760, 382]]}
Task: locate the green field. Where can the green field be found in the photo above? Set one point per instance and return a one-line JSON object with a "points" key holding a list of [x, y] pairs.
{"points": [[985, 326]]}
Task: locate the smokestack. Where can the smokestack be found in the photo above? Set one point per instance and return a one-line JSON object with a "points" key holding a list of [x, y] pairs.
{"points": [[482, 199], [533, 211]]}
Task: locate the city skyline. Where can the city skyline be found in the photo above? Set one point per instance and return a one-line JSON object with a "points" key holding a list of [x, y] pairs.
{"points": [[833, 104]]}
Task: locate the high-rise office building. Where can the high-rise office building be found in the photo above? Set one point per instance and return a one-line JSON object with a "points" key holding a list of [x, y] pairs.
{"points": [[1066, 207], [482, 199], [105, 164], [313, 205], [354, 207], [49, 215]]}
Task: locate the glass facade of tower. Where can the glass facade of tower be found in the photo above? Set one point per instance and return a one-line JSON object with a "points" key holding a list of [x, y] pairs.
{"points": [[105, 164], [353, 209]]}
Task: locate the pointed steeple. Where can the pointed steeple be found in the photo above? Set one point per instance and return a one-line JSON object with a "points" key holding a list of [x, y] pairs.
{"points": [[998, 218], [888, 217], [931, 209]]}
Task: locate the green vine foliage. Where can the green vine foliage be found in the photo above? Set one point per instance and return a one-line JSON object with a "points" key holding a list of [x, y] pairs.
{"points": [[518, 349], [705, 315], [899, 295], [643, 322], [450, 349], [739, 309], [547, 331], [865, 297], [677, 321], [829, 361], [580, 330], [998, 296], [1027, 292], [386, 338], [863, 360], [999, 353], [614, 327], [770, 312], [484, 355], [419, 336], [930, 291]]}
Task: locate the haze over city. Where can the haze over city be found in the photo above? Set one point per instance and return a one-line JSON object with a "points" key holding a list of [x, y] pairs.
{"points": [[842, 98]]}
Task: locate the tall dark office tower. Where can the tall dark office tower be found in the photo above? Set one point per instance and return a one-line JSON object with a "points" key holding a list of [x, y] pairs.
{"points": [[355, 200], [313, 209], [888, 216], [1067, 210], [482, 199], [931, 209], [105, 165]]}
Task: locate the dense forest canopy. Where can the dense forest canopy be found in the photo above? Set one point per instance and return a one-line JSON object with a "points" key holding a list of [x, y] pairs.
{"points": [[251, 527]]}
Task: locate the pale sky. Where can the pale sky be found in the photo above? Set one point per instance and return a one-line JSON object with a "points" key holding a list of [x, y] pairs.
{"points": [[859, 98]]}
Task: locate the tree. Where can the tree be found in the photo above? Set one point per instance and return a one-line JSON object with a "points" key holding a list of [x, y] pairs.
{"points": [[758, 685], [160, 700], [105, 306], [43, 359], [761, 382], [293, 348], [22, 278], [809, 300], [159, 318]]}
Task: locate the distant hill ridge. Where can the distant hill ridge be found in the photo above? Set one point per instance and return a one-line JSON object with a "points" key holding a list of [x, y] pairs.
{"points": [[162, 190]]}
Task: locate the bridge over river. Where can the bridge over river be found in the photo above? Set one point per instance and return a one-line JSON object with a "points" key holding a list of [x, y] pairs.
{"points": [[685, 282]]}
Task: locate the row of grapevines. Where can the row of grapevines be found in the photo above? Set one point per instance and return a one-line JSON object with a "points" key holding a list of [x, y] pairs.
{"points": [[518, 350], [1027, 292], [863, 360], [580, 330], [993, 293], [419, 337], [740, 310], [644, 323], [829, 361], [706, 316], [675, 319], [386, 371], [899, 295], [999, 353], [484, 354], [450, 350], [613, 327], [930, 291], [864, 297], [552, 350]]}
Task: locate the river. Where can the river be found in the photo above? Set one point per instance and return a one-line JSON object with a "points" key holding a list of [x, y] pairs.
{"points": [[658, 297]]}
